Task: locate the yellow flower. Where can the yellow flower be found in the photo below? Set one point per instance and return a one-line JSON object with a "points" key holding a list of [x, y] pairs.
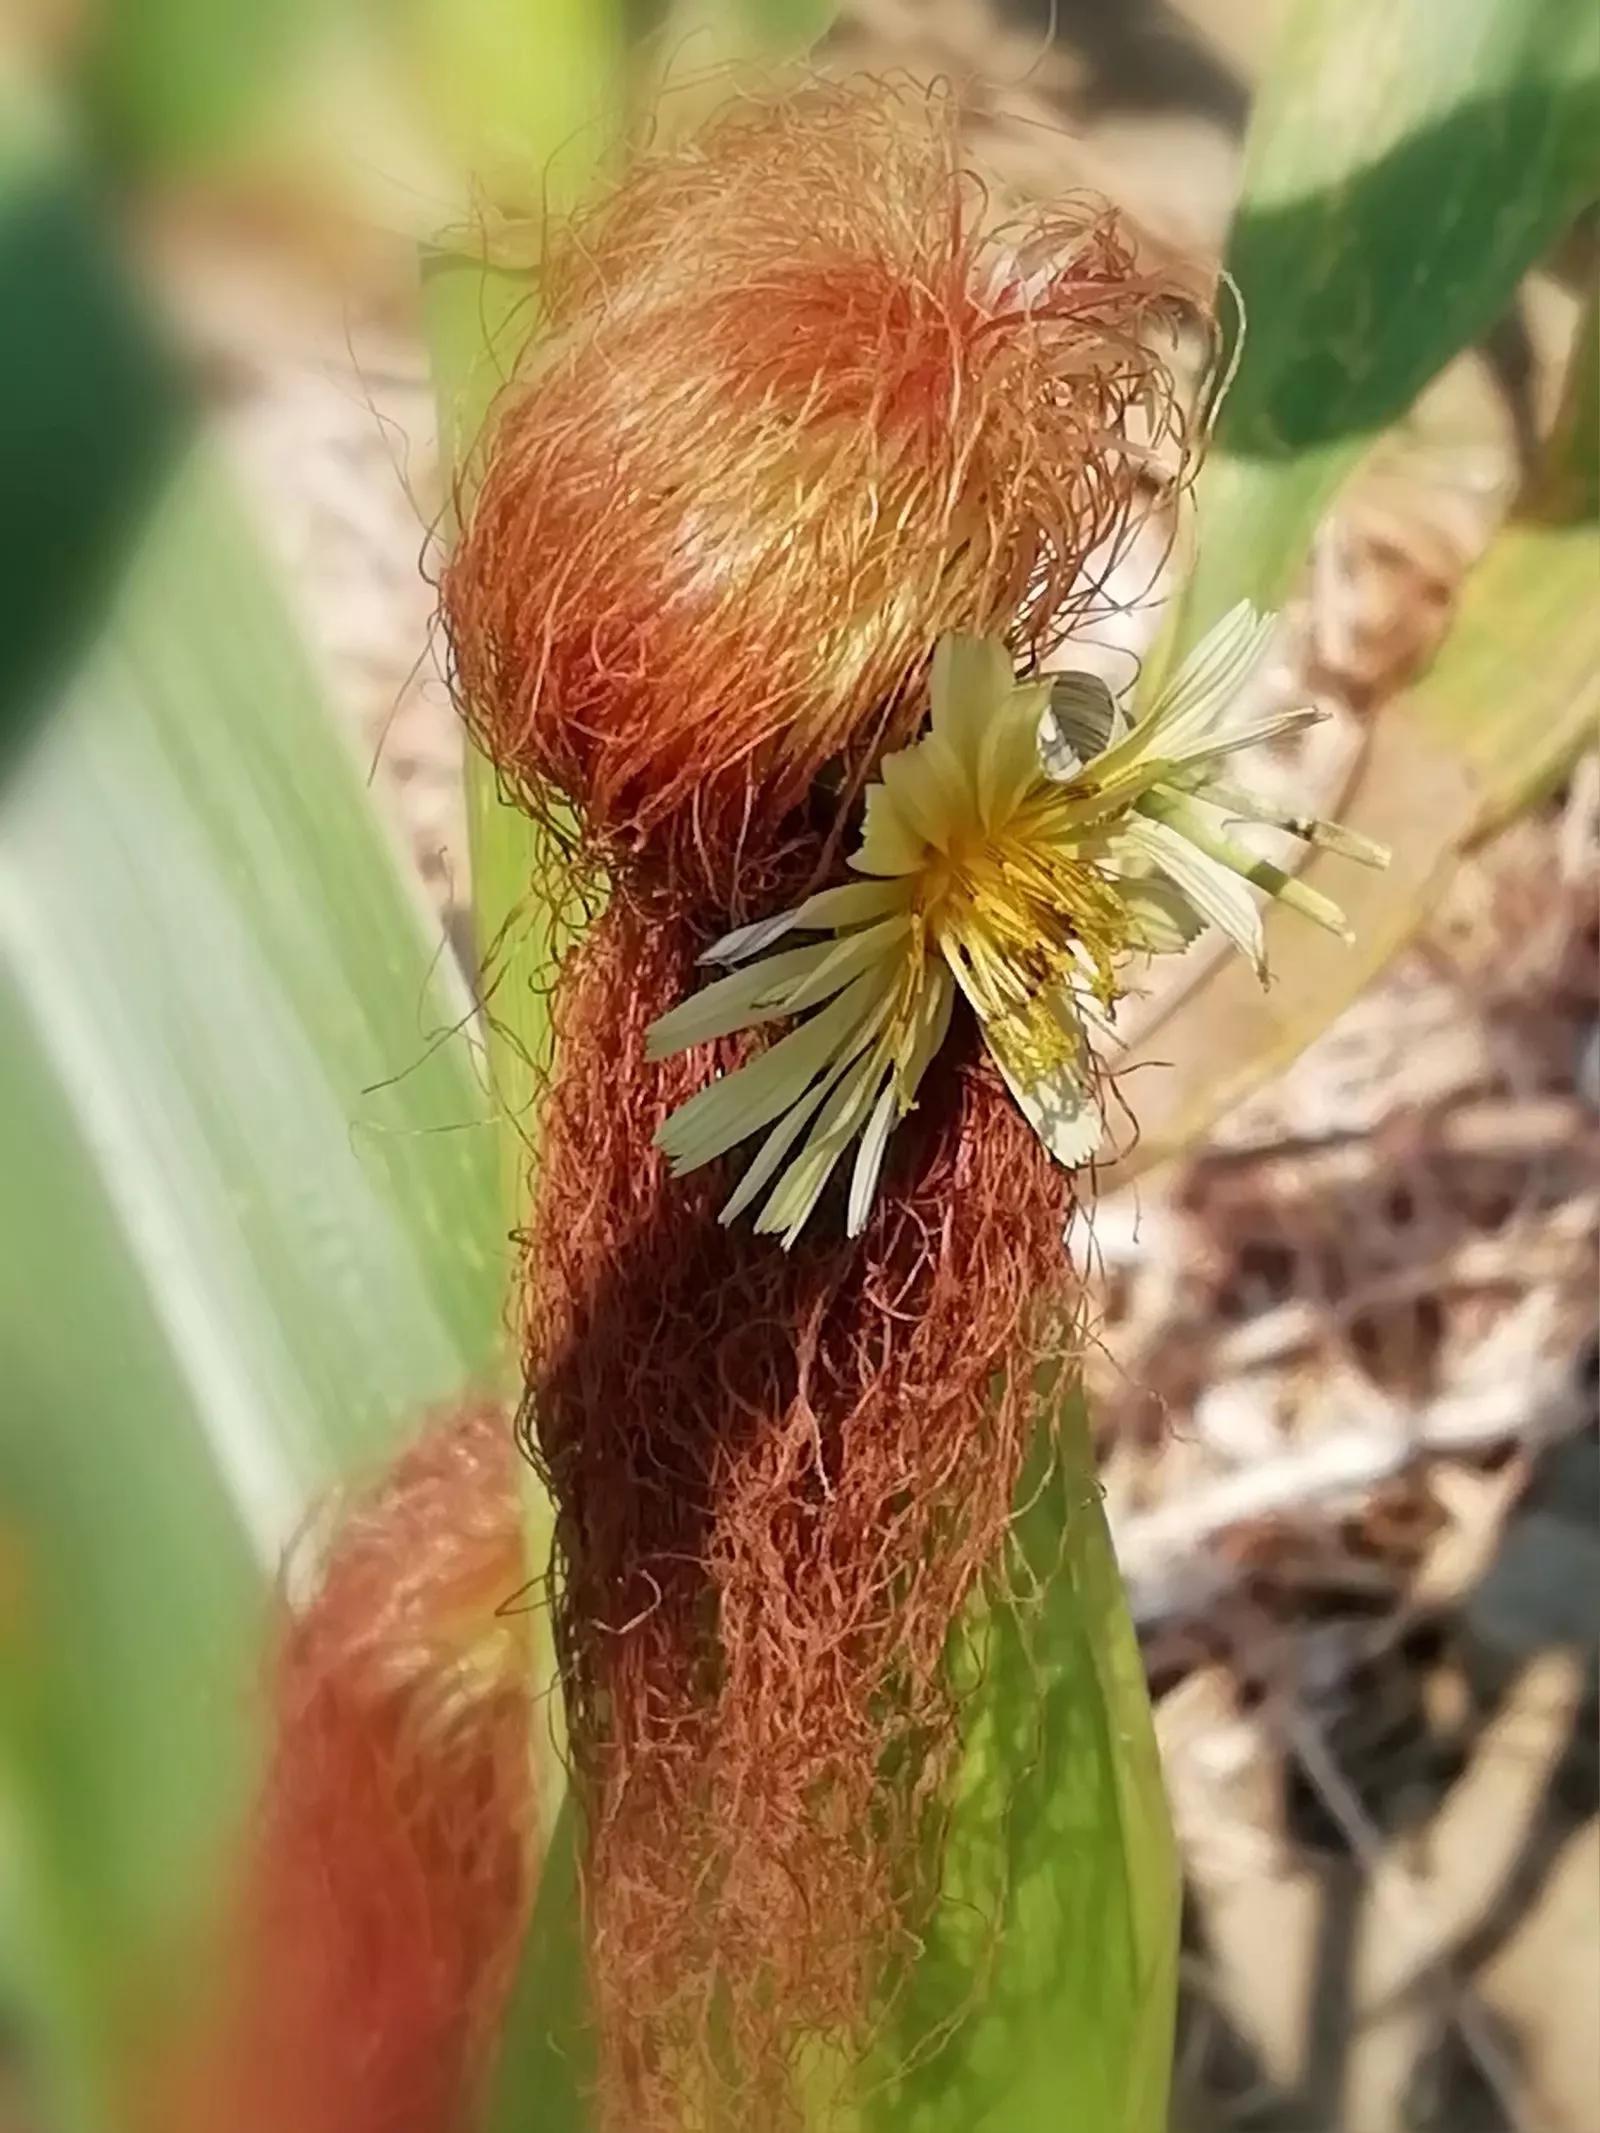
{"points": [[1018, 853]]}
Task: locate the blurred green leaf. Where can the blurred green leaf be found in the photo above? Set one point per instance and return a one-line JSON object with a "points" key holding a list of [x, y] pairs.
{"points": [[175, 81], [1407, 163], [524, 96], [1046, 1991], [546, 2070], [249, 1231], [104, 418], [1564, 487], [477, 314]]}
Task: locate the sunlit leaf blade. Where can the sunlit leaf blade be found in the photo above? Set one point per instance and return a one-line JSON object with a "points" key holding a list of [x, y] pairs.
{"points": [[249, 1233], [1046, 1992], [545, 2076], [1407, 163], [757, 29], [45, 1993], [211, 947]]}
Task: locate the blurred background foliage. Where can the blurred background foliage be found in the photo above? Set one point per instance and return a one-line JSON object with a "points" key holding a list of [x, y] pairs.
{"points": [[262, 1157]]}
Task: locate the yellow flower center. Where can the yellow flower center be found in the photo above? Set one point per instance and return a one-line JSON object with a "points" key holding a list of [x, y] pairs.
{"points": [[1018, 913]]}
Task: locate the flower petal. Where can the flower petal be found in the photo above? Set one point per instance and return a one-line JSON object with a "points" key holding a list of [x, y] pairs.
{"points": [[753, 1095], [781, 1139], [927, 1030], [930, 787], [846, 956], [802, 1185], [745, 999], [1059, 1106], [853, 903], [797, 1192], [1208, 680], [869, 1160], [1323, 836], [972, 677], [746, 941], [1218, 895], [1065, 1116], [1185, 817], [1163, 920], [1187, 710], [1214, 747], [890, 844], [1009, 764]]}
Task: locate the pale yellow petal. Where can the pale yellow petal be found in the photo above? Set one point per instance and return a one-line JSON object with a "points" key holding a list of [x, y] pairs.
{"points": [[930, 789], [740, 1103], [746, 941], [1009, 764], [842, 1117], [1186, 817], [853, 903], [926, 1030], [745, 999], [1162, 918], [1059, 1105], [869, 1160], [1187, 711], [972, 676], [1065, 1116], [1217, 894], [882, 945], [1235, 740], [1209, 679], [889, 844], [1323, 836], [781, 1139]]}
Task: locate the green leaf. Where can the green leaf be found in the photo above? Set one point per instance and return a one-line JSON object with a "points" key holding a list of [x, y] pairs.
{"points": [[175, 81], [524, 97], [1407, 163], [1045, 1994], [476, 316], [546, 2070], [249, 1231], [1565, 486], [103, 419]]}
